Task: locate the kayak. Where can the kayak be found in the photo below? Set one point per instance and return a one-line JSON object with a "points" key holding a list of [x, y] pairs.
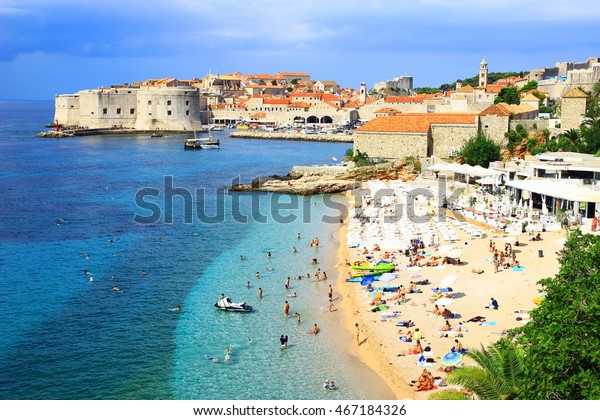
{"points": [[383, 267]]}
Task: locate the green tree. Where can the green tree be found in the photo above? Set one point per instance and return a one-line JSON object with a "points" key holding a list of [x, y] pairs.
{"points": [[510, 95], [497, 376], [529, 86], [427, 90], [561, 342], [593, 105], [480, 150], [590, 134]]}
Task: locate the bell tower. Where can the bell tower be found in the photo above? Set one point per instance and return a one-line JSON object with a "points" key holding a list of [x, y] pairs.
{"points": [[363, 93], [483, 73]]}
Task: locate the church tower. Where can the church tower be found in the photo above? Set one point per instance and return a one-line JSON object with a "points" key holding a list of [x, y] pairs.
{"points": [[483, 73], [363, 93]]}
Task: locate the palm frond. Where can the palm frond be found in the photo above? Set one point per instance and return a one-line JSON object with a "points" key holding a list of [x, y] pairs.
{"points": [[450, 394]]}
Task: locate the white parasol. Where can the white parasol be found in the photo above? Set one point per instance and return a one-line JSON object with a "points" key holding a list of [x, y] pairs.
{"points": [[455, 253], [444, 301], [510, 240], [448, 281], [387, 277]]}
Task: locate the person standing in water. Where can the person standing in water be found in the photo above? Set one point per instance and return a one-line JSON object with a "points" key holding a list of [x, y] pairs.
{"points": [[286, 309]]}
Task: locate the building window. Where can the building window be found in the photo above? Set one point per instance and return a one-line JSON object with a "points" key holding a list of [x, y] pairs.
{"points": [[118, 110], [168, 102], [105, 111], [187, 112], [168, 112], [132, 111], [149, 102], [187, 103]]}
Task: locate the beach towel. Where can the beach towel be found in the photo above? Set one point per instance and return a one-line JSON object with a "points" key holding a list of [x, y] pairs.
{"points": [[490, 323], [477, 319], [403, 338], [443, 289], [423, 364], [432, 388], [515, 268]]}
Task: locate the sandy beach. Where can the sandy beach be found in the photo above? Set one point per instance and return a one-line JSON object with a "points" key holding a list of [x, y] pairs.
{"points": [[379, 345]]}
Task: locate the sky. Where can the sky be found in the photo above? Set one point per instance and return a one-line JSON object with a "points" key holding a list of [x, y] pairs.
{"points": [[50, 47]]}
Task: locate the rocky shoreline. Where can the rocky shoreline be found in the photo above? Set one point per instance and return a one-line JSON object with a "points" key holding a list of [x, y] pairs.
{"points": [[310, 180]]}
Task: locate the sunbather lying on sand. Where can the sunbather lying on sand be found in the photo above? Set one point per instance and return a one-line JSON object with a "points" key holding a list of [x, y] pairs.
{"points": [[417, 349]]}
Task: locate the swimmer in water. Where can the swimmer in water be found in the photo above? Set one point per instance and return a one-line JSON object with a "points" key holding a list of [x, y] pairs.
{"points": [[177, 308], [116, 289]]}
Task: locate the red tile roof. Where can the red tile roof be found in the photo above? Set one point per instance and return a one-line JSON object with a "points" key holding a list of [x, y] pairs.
{"points": [[400, 99], [277, 101], [415, 123], [298, 105]]}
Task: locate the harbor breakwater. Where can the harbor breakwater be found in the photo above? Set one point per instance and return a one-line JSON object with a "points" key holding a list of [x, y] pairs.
{"points": [[265, 135]]}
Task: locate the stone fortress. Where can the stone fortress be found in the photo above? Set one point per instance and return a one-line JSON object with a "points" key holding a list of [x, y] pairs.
{"points": [[396, 126], [439, 124]]}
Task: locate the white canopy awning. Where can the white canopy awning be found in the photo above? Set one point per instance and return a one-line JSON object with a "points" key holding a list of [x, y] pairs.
{"points": [[463, 169], [558, 189]]}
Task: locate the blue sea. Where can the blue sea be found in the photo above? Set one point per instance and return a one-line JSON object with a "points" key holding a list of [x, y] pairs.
{"points": [[123, 205]]}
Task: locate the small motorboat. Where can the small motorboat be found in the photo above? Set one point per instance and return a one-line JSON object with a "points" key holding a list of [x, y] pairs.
{"points": [[156, 135], [226, 304]]}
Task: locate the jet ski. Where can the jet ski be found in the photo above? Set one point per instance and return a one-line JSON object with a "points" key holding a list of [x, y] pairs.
{"points": [[227, 305]]}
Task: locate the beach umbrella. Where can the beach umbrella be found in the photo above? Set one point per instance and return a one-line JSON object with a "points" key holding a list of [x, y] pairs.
{"points": [[367, 281], [455, 253], [448, 281], [452, 359], [443, 250], [387, 277], [510, 240], [444, 301]]}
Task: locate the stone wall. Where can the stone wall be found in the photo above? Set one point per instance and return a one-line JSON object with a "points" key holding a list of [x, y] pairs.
{"points": [[494, 126], [572, 111], [447, 138], [391, 145], [147, 108], [107, 108], [66, 110], [528, 125], [171, 109]]}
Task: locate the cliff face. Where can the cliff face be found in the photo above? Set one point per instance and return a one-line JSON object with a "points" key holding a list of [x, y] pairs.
{"points": [[308, 180]]}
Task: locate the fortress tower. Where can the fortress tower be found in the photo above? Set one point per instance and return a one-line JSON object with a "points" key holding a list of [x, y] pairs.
{"points": [[363, 93], [483, 73]]}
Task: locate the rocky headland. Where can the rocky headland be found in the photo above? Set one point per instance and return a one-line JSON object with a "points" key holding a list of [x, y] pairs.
{"points": [[309, 180]]}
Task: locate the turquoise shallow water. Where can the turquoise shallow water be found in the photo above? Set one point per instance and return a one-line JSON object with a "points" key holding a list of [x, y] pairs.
{"points": [[64, 337]]}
